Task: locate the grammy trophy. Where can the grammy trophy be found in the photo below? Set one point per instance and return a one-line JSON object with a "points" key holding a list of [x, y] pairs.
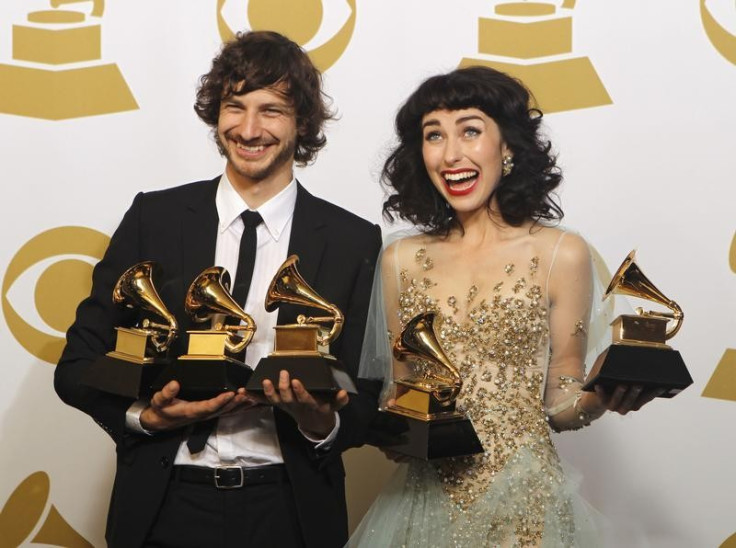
{"points": [[422, 420], [140, 351], [639, 354], [302, 348], [211, 365]]}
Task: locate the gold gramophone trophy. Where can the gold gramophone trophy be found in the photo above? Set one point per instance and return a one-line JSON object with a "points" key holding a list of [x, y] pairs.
{"points": [[422, 420], [639, 353], [141, 351], [302, 348], [210, 366]]}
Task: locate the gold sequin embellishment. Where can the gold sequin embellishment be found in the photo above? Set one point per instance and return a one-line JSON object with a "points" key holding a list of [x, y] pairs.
{"points": [[500, 349]]}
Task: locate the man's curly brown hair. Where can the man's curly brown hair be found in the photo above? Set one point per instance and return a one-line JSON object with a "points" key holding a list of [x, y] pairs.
{"points": [[264, 59]]}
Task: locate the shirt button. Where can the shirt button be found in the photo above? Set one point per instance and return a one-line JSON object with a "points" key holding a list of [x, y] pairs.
{"points": [[165, 462]]}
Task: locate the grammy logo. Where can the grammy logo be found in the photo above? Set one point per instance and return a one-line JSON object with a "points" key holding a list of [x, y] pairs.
{"points": [[60, 40], [520, 35], [27, 513]]}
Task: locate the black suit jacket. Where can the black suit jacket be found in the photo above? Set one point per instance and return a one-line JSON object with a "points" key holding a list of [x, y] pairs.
{"points": [[178, 229]]}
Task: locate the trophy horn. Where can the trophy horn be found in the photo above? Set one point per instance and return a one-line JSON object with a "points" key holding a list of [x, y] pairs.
{"points": [[288, 286], [135, 289], [418, 340], [630, 280], [209, 295]]}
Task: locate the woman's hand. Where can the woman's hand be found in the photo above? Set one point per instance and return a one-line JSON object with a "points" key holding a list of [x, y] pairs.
{"points": [[622, 399], [625, 398]]}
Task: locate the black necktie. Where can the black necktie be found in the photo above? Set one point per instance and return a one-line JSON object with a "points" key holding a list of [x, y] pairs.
{"points": [[244, 274], [247, 256]]}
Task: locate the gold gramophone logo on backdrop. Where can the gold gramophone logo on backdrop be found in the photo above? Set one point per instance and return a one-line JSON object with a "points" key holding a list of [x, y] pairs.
{"points": [[533, 41], [300, 20], [27, 515], [722, 384], [39, 317], [57, 72], [713, 13]]}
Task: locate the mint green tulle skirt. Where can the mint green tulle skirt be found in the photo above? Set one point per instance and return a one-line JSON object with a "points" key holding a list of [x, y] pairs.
{"points": [[528, 503]]}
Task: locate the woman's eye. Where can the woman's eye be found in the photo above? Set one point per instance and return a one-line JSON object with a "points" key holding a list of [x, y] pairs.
{"points": [[432, 136], [471, 132]]}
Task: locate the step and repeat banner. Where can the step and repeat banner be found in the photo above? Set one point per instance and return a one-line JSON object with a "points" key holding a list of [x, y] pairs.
{"points": [[96, 105]]}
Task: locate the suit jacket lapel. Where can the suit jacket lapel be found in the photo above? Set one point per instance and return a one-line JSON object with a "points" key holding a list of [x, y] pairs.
{"points": [[199, 234], [308, 237]]}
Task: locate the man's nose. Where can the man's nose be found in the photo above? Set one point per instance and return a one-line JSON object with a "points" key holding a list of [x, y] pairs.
{"points": [[249, 127]]}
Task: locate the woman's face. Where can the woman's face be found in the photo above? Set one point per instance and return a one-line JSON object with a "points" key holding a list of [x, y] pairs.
{"points": [[463, 151]]}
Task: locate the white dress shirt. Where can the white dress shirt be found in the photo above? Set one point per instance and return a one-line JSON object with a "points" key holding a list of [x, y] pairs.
{"points": [[247, 437]]}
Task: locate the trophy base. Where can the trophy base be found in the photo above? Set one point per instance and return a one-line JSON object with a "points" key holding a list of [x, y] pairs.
{"points": [[204, 378], [650, 367], [319, 374], [123, 377], [426, 440]]}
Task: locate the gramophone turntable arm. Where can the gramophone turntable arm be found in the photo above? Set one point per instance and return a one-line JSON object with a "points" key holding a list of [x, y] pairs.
{"points": [[165, 333], [677, 316], [232, 343], [337, 319]]}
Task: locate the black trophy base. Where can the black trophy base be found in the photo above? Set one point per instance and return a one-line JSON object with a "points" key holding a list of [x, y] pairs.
{"points": [[319, 375], [643, 365], [202, 379], [124, 378], [426, 440]]}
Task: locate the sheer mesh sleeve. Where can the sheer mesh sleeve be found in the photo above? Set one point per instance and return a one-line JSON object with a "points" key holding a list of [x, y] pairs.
{"points": [[383, 324], [570, 290]]}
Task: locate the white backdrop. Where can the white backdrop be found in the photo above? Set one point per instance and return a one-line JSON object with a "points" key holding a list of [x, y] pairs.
{"points": [[652, 170]]}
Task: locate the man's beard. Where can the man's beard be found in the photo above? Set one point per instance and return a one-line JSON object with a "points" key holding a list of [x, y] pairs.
{"points": [[286, 154]]}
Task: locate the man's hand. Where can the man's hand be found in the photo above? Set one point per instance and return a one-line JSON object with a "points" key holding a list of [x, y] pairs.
{"points": [[314, 416], [166, 411]]}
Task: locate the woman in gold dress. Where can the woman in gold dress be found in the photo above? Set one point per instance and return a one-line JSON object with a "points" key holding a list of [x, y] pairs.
{"points": [[513, 295]]}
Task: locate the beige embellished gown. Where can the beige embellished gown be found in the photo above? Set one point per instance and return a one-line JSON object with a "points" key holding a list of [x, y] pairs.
{"points": [[494, 324]]}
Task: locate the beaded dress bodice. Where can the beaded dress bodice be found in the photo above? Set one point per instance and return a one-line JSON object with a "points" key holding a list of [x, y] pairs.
{"points": [[499, 341]]}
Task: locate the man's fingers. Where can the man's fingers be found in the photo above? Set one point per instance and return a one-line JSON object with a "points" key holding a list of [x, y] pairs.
{"points": [[341, 400], [215, 404], [302, 394], [285, 393], [270, 392], [171, 389], [165, 396]]}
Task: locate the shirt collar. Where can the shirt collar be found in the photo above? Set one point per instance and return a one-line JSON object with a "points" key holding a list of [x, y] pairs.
{"points": [[276, 212]]}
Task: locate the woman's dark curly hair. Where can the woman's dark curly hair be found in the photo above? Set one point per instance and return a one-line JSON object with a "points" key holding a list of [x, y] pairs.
{"points": [[522, 195], [264, 59]]}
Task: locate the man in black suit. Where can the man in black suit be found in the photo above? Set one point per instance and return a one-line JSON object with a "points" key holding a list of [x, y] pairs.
{"points": [[264, 101]]}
